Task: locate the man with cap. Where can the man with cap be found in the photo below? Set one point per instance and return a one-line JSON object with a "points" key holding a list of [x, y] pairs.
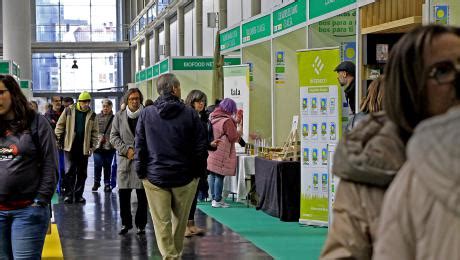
{"points": [[77, 128], [346, 76]]}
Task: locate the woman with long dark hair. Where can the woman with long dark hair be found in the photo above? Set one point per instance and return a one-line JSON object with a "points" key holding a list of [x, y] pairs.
{"points": [[197, 99], [28, 163]]}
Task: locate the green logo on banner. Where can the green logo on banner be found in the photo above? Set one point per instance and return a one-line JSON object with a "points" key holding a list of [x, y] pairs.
{"points": [[322, 7], [318, 67], [230, 39], [257, 29], [289, 16], [24, 84]]}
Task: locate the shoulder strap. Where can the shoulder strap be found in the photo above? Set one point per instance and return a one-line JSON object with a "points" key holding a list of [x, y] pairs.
{"points": [[108, 123]]}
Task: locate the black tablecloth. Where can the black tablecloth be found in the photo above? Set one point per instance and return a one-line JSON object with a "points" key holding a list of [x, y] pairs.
{"points": [[278, 187]]}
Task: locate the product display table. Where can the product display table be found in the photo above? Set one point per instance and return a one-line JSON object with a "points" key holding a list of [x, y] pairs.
{"points": [[278, 187], [237, 184]]}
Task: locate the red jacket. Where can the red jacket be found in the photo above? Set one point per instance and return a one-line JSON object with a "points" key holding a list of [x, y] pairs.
{"points": [[223, 160]]}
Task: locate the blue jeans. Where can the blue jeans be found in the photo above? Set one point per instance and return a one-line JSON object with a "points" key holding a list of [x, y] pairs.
{"points": [[216, 183], [61, 170], [22, 232], [103, 160], [113, 180]]}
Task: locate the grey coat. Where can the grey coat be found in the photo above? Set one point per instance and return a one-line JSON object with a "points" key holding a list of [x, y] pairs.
{"points": [[122, 139]]}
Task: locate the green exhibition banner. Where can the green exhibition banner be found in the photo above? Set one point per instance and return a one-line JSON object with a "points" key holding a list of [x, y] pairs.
{"points": [[200, 63], [24, 84], [155, 70], [137, 77], [230, 39], [322, 7], [164, 66], [256, 29], [143, 75], [321, 122], [289, 16], [149, 72]]}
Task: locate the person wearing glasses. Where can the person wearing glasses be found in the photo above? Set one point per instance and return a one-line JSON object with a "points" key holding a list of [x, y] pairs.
{"points": [[420, 213], [419, 83], [197, 100], [28, 162], [122, 138]]}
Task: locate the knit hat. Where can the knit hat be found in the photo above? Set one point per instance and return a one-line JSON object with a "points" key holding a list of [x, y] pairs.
{"points": [[84, 96]]}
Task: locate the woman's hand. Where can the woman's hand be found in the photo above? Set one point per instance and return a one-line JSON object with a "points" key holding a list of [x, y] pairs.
{"points": [[215, 143]]}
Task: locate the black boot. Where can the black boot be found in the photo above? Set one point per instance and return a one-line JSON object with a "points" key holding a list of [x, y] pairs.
{"points": [[96, 186]]}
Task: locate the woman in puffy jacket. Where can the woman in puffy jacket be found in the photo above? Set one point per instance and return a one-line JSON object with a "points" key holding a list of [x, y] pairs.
{"points": [[222, 162], [28, 166], [369, 157]]}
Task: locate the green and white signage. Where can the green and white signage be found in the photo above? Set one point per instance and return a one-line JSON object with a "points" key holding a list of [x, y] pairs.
{"points": [[200, 63], [164, 66], [9, 67], [256, 29], [137, 77], [289, 16], [321, 122], [155, 70], [230, 39], [149, 72], [143, 75], [322, 7]]}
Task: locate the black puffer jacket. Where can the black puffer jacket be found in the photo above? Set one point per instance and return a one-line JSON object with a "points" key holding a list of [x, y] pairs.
{"points": [[170, 143]]}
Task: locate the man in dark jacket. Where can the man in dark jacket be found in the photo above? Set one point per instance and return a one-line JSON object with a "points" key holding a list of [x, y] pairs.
{"points": [[53, 115], [346, 76], [170, 142]]}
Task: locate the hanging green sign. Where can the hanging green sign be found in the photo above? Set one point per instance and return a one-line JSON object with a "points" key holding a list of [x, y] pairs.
{"points": [[149, 72], [257, 29], [137, 76], [230, 39], [143, 75], [164, 66], [24, 84], [155, 70], [322, 7], [289, 16], [200, 63], [4, 67]]}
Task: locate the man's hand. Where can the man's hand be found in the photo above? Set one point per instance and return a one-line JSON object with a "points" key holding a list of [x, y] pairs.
{"points": [[130, 153]]}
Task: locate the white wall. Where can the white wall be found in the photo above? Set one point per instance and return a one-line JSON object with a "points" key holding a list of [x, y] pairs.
{"points": [[209, 34], [174, 37], [267, 6], [246, 9], [189, 34]]}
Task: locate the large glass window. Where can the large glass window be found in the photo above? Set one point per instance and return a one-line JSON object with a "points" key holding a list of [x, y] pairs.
{"points": [[76, 20], [56, 72], [162, 4]]}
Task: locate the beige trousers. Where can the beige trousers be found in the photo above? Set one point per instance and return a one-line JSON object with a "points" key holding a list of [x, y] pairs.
{"points": [[169, 208]]}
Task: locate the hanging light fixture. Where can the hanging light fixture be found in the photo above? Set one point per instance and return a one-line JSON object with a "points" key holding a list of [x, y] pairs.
{"points": [[74, 66]]}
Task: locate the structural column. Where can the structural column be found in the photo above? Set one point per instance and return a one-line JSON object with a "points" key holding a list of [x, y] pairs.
{"points": [[167, 37], [147, 52], [199, 27], [223, 14], [180, 23], [17, 35], [156, 40], [255, 7], [139, 56]]}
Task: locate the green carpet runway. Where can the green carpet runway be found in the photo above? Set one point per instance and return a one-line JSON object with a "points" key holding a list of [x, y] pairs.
{"points": [[282, 240]]}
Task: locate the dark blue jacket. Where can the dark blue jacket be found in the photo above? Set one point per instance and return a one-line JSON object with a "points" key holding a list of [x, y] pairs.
{"points": [[170, 143]]}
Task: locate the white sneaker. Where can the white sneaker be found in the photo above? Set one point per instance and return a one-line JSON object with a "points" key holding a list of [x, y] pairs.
{"points": [[215, 204], [223, 204]]}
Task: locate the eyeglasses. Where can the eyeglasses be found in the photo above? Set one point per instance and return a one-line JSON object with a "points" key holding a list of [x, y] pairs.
{"points": [[444, 72], [2, 91]]}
